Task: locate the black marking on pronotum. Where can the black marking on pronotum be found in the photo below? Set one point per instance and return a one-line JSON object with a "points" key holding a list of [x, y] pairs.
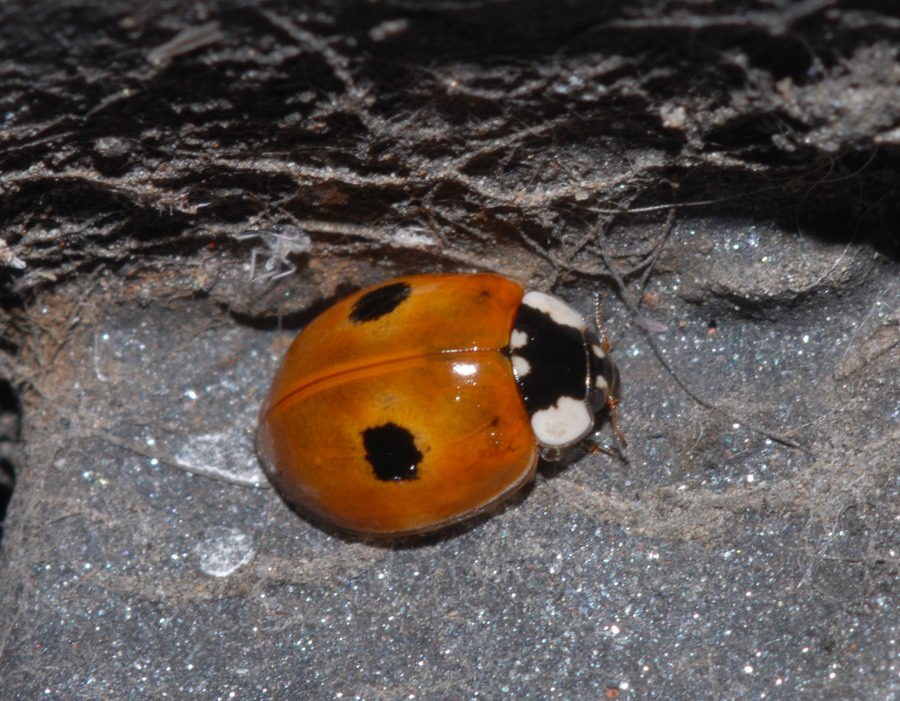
{"points": [[392, 452], [556, 355], [380, 301]]}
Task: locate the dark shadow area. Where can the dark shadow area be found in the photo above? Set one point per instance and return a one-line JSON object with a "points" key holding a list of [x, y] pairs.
{"points": [[10, 427]]}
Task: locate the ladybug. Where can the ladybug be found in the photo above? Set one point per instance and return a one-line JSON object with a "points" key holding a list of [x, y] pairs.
{"points": [[424, 400]]}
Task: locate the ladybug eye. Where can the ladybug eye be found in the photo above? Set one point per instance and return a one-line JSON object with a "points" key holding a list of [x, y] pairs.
{"points": [[604, 381], [597, 399]]}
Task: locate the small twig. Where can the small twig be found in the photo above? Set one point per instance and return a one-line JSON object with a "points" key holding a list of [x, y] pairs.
{"points": [[633, 307], [655, 254], [186, 41]]}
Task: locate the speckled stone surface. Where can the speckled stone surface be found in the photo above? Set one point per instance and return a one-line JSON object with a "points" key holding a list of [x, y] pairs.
{"points": [[146, 557]]}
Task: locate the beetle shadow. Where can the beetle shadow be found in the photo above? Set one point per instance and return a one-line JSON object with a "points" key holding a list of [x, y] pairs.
{"points": [[547, 469], [415, 541]]}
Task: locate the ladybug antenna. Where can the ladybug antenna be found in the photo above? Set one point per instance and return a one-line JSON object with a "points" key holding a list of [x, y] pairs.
{"points": [[605, 345]]}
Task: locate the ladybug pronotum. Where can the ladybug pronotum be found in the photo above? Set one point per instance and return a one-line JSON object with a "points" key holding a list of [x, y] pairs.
{"points": [[424, 400]]}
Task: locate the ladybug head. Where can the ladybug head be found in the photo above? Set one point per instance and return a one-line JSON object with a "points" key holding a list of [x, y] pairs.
{"points": [[603, 383]]}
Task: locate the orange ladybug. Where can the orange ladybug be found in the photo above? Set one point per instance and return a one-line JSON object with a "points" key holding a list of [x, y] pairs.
{"points": [[419, 402]]}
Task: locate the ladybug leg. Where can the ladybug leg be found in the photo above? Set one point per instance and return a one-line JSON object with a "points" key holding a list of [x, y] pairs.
{"points": [[612, 451], [551, 454], [612, 402]]}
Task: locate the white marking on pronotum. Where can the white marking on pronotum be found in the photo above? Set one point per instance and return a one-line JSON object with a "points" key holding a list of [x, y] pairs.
{"points": [[518, 339], [568, 421], [520, 366], [598, 351], [556, 309]]}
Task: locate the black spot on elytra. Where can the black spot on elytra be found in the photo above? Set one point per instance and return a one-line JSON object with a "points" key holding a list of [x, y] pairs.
{"points": [[557, 357], [380, 301], [392, 452]]}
